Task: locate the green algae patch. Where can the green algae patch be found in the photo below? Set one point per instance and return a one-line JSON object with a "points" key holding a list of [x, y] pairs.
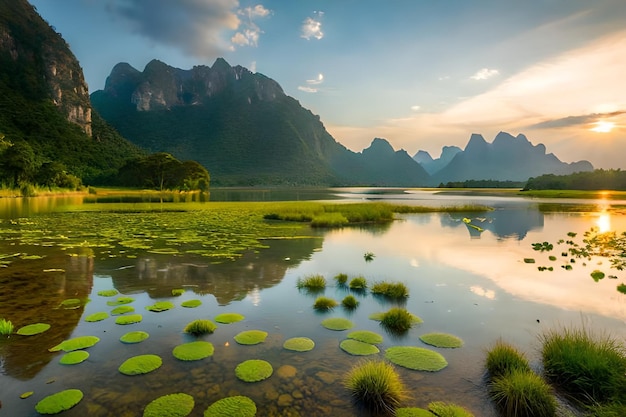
{"points": [[71, 303], [26, 394], [254, 370], [366, 336], [108, 293], [171, 405], [33, 329], [416, 358], [160, 306], [228, 318], [412, 412], [191, 303], [442, 340], [120, 301], [99, 316], [193, 351], [61, 401], [237, 406], [354, 347], [134, 337], [178, 291], [75, 357], [141, 364], [201, 326], [130, 319], [117, 311], [76, 343], [597, 275], [337, 323], [299, 344], [251, 337]]}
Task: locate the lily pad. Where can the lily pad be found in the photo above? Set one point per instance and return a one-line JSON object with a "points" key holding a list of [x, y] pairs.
{"points": [[120, 301], [71, 303], [193, 351], [26, 394], [61, 401], [122, 310], [33, 329], [442, 340], [76, 343], [134, 337], [141, 364], [254, 370], [172, 405], [191, 303], [419, 359], [250, 337], [413, 412], [108, 293], [75, 357], [130, 319], [228, 318], [97, 316], [299, 344], [160, 306], [178, 291], [237, 406], [597, 275], [354, 347], [366, 336], [337, 323]]}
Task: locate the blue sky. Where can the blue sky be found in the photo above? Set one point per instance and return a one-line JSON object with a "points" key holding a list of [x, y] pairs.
{"points": [[420, 73]]}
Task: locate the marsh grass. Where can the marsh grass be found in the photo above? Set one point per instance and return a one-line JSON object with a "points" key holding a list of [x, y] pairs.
{"points": [[325, 303], [503, 359], [341, 279], [199, 327], [312, 283], [397, 320], [329, 220], [6, 327], [396, 290], [376, 385], [350, 302], [523, 393], [358, 284]]}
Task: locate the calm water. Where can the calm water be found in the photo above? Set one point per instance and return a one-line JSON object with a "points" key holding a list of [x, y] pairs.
{"points": [[472, 284]]}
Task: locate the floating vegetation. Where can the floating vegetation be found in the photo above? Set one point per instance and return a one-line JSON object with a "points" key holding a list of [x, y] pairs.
{"points": [[390, 289], [141, 364], [134, 337], [350, 302], [160, 306], [503, 358], [354, 347], [523, 393], [120, 301], [193, 351], [529, 260], [75, 357], [26, 394], [416, 358], [341, 279], [61, 401], [366, 336], [358, 284], [81, 342], [123, 309], [71, 303], [250, 337], [171, 405], [368, 256], [543, 246], [414, 412], [621, 288], [108, 293], [254, 370], [442, 340], [440, 408], [199, 327], [130, 319], [597, 275], [6, 327], [229, 318], [337, 323], [236, 406], [32, 329], [324, 303], [178, 291], [396, 319], [97, 316], [191, 303], [299, 344], [376, 385], [312, 283]]}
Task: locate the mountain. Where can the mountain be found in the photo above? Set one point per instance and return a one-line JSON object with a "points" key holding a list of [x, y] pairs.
{"points": [[507, 158], [44, 99], [241, 126], [433, 165]]}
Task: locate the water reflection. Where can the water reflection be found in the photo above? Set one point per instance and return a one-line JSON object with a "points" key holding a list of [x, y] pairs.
{"points": [[503, 223]]}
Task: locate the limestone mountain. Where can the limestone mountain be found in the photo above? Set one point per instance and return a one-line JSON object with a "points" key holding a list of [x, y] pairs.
{"points": [[433, 165], [240, 125]]}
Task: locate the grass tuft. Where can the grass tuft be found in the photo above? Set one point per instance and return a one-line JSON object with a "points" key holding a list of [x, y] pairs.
{"points": [[397, 320], [376, 385], [523, 394], [312, 283], [341, 279], [199, 327], [358, 284], [390, 289], [6, 327], [503, 359], [325, 303], [350, 302]]}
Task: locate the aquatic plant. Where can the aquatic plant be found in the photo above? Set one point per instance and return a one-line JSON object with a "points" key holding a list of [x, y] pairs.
{"points": [[529, 260], [33, 329], [416, 358], [191, 303], [81, 342], [6, 327], [337, 323], [120, 301], [61, 401], [376, 385], [368, 256], [621, 288], [193, 351], [178, 291], [324, 303], [329, 220], [254, 370], [365, 336], [134, 337], [597, 275], [108, 293], [130, 319], [236, 406], [442, 409], [299, 344], [503, 358], [26, 394], [396, 319], [441, 340], [141, 364], [390, 289], [198, 327], [350, 302], [250, 337], [71, 304], [354, 347], [412, 412], [312, 283], [171, 405], [524, 394], [341, 279], [160, 306], [358, 284], [123, 309], [97, 317], [74, 357], [228, 318]]}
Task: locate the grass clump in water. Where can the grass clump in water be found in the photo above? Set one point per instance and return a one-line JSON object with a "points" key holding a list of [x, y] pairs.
{"points": [[524, 394], [334, 220], [350, 302], [312, 283], [325, 303], [503, 359], [397, 319], [358, 284], [390, 289], [442, 409], [178, 291], [199, 327], [341, 279], [6, 327], [376, 385]]}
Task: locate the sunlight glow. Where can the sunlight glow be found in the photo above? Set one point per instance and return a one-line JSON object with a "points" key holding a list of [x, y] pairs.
{"points": [[604, 223], [603, 126]]}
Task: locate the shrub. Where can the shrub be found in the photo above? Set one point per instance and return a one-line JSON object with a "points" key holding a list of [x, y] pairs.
{"points": [[376, 385], [312, 283], [503, 358], [523, 393], [390, 289], [358, 283], [324, 303], [350, 302], [198, 327], [341, 279]]}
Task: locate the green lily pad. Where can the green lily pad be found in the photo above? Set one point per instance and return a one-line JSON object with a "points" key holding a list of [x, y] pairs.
{"points": [[442, 340], [254, 370], [228, 318], [172, 405], [413, 412], [134, 337], [597, 275], [250, 337], [237, 406], [97, 316], [141, 364], [193, 351], [76, 343], [61, 401], [130, 319], [299, 344], [120, 301], [178, 291], [71, 303], [160, 306], [337, 323], [365, 336], [191, 303], [420, 359], [354, 347], [108, 293], [122, 310], [33, 329], [75, 357], [26, 394]]}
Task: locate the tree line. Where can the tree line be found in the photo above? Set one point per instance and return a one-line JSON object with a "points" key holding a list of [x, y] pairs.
{"points": [[599, 179]]}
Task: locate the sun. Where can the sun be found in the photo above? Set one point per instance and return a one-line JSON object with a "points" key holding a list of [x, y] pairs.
{"points": [[602, 126]]}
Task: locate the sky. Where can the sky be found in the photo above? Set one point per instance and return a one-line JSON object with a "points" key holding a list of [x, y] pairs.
{"points": [[422, 74]]}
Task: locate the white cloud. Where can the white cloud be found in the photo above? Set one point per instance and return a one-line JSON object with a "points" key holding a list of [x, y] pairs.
{"points": [[318, 80], [307, 89], [253, 66], [484, 74], [312, 28], [249, 37], [250, 33], [256, 11], [415, 108]]}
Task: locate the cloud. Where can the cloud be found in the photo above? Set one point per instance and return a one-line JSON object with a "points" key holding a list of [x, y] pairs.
{"points": [[569, 121], [415, 108], [484, 74], [307, 89], [249, 35], [318, 80], [312, 28]]}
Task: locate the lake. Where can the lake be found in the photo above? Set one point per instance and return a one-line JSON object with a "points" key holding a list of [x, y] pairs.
{"points": [[466, 274]]}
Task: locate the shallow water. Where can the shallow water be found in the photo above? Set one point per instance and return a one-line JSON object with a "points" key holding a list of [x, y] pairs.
{"points": [[472, 284]]}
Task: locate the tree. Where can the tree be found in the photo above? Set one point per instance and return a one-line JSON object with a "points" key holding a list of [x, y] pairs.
{"points": [[18, 163]]}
